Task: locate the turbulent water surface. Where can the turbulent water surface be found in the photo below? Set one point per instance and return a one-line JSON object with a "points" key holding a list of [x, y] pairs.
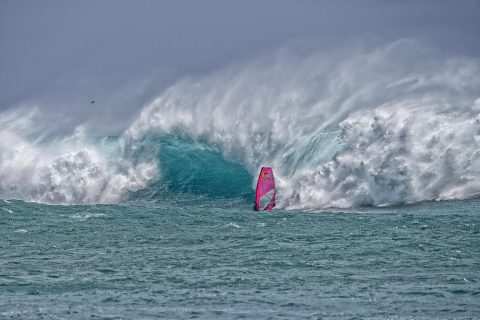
{"points": [[218, 259]]}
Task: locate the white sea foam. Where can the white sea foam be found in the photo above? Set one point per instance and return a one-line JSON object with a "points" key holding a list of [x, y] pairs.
{"points": [[233, 225], [85, 216], [7, 210], [409, 121], [68, 170], [395, 155]]}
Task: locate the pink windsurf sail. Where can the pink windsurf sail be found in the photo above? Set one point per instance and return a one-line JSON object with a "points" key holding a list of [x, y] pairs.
{"points": [[265, 193]]}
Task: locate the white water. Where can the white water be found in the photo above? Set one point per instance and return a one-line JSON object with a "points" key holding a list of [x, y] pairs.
{"points": [[409, 120], [67, 170], [407, 117]]}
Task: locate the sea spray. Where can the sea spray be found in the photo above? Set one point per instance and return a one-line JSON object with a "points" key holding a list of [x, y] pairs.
{"points": [[66, 170], [396, 124], [402, 131], [395, 157]]}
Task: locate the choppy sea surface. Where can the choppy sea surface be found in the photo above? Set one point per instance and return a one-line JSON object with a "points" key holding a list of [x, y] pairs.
{"points": [[217, 259]]}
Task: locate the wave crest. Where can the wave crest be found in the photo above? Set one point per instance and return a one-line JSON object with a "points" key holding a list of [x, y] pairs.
{"points": [[397, 124], [408, 119]]}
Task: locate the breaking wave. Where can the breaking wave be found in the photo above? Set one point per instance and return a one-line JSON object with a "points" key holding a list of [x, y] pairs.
{"points": [[394, 125], [67, 170]]}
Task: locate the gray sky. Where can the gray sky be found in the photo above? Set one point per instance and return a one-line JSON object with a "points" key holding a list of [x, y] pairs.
{"points": [[62, 53]]}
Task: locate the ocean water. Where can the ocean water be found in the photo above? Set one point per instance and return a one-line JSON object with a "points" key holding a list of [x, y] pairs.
{"points": [[217, 259], [376, 157]]}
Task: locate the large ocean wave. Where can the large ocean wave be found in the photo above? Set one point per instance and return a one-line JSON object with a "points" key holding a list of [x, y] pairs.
{"points": [[398, 124]]}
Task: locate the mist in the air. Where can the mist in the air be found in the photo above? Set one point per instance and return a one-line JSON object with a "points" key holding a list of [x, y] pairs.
{"points": [[352, 102]]}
